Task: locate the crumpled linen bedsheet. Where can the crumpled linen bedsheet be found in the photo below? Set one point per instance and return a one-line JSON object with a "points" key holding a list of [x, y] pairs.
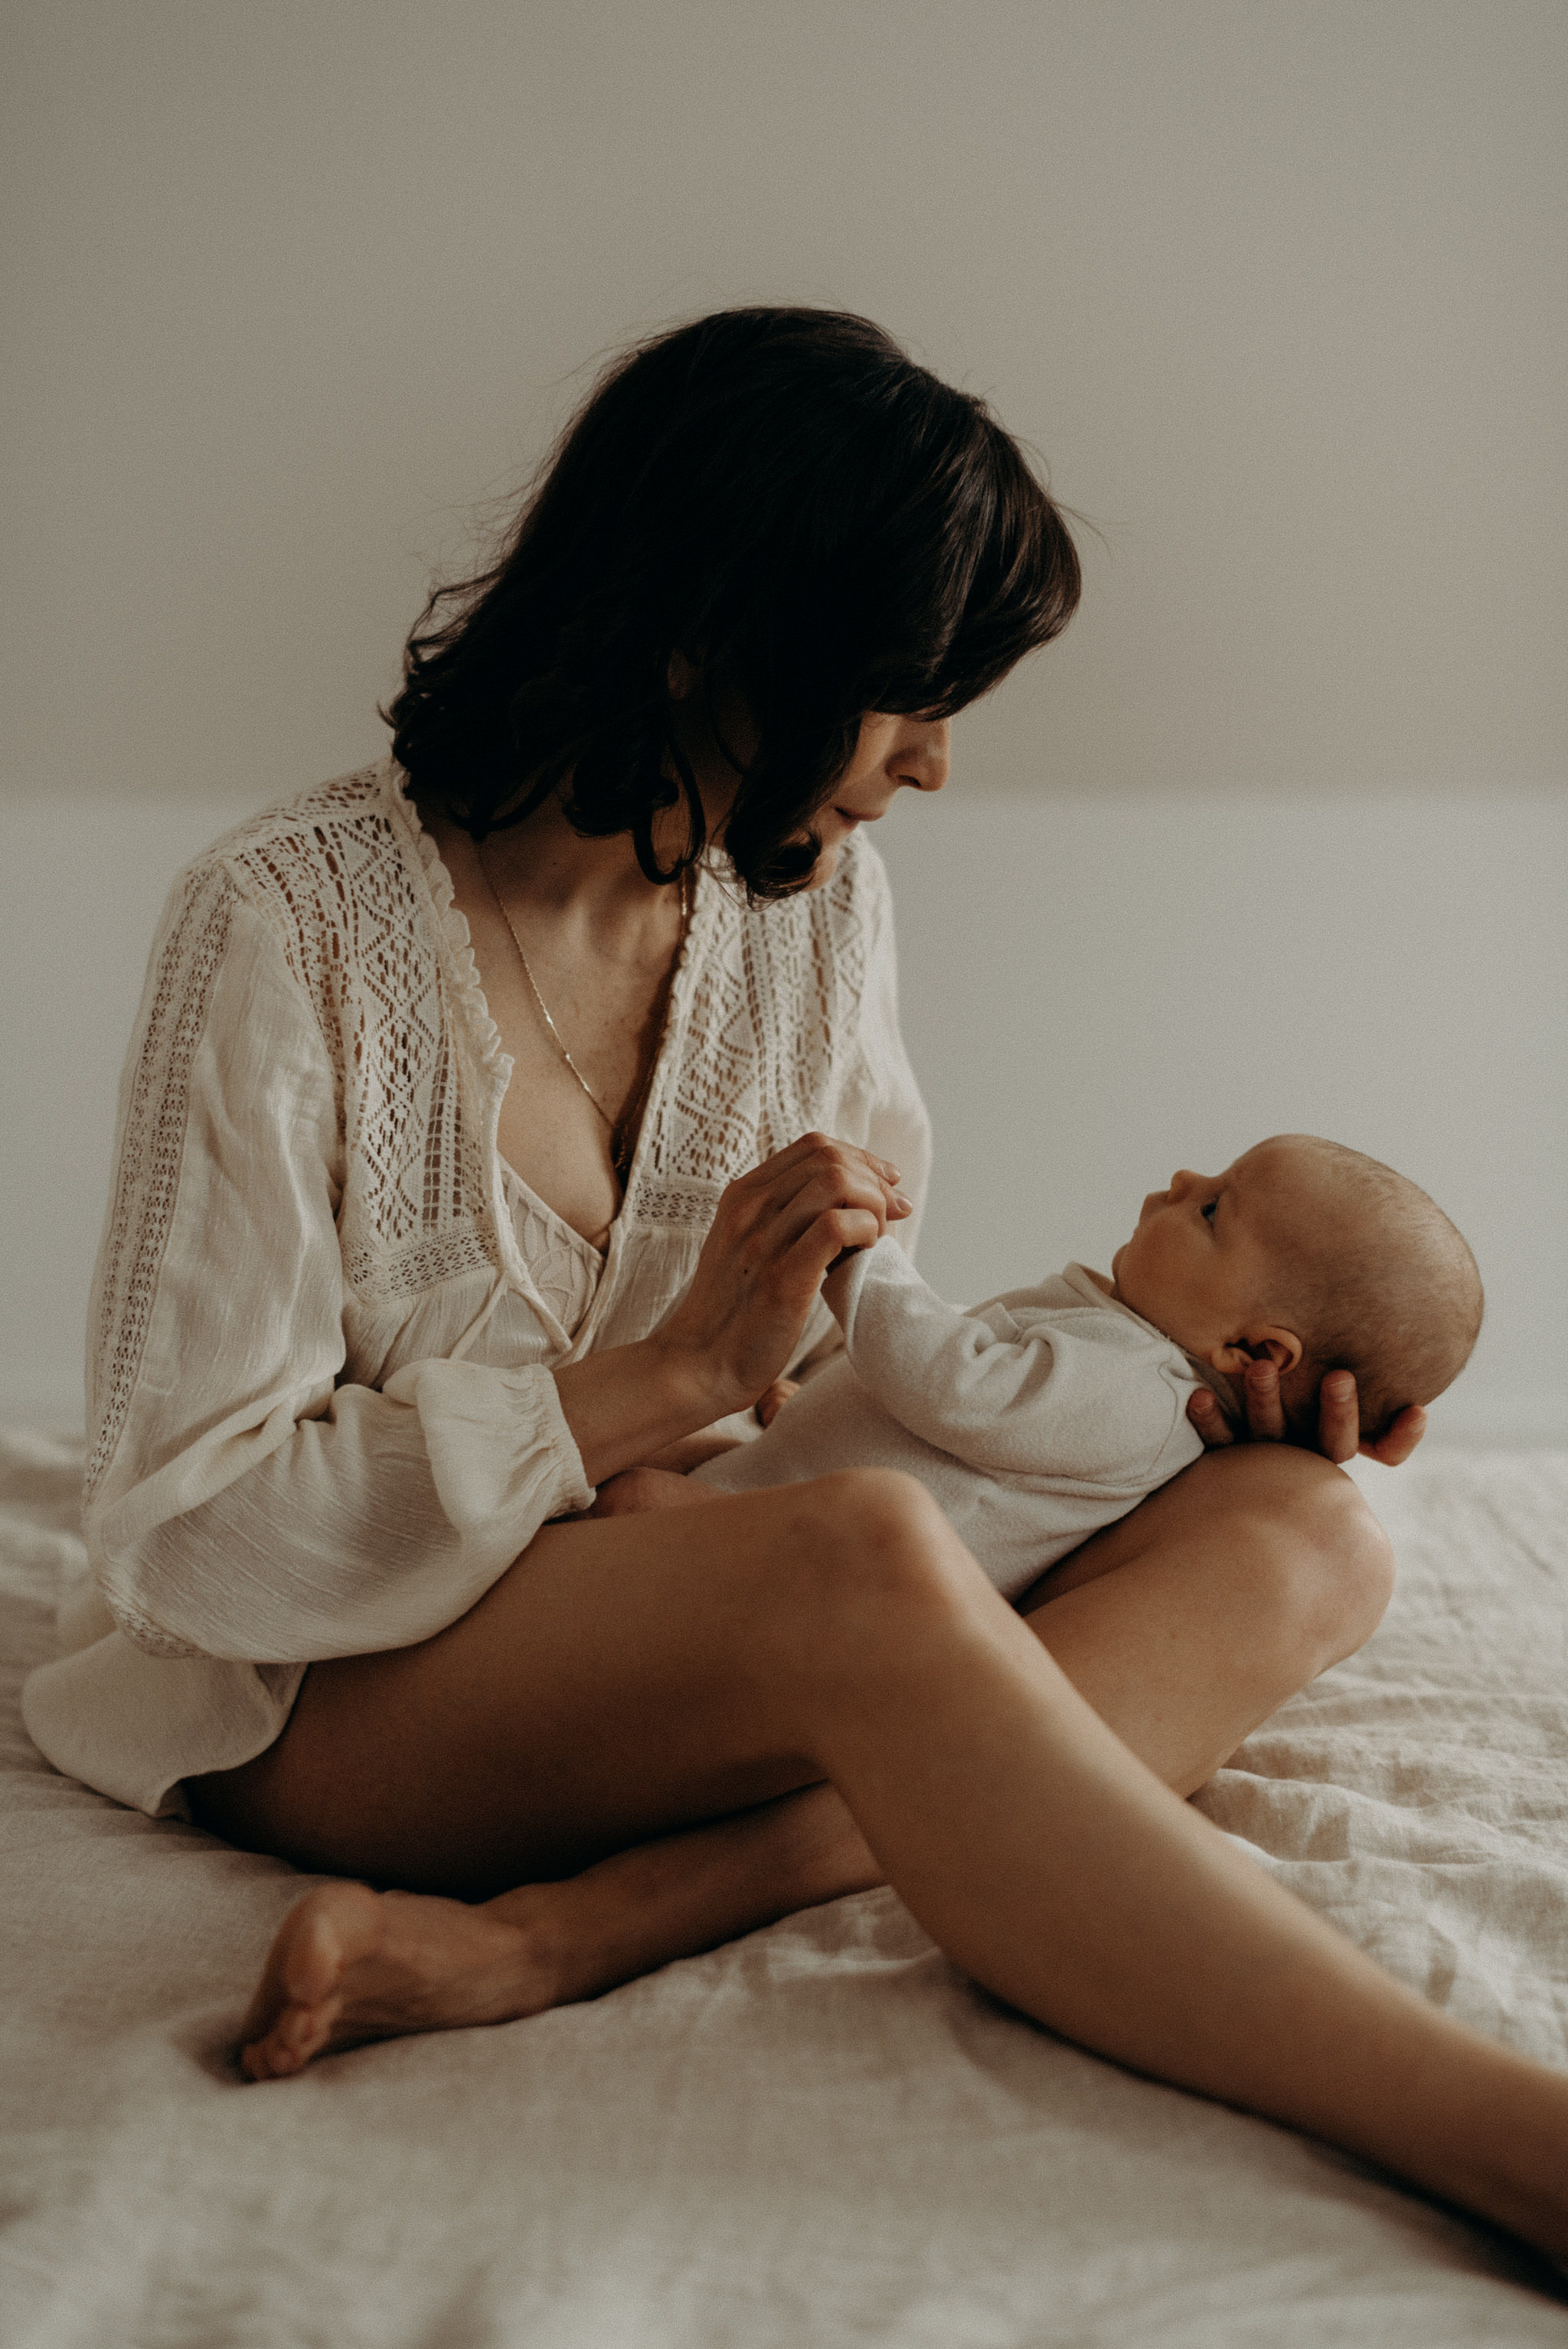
{"points": [[820, 2136]]}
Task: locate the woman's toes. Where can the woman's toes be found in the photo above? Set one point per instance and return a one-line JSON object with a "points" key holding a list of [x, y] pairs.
{"points": [[268, 2059], [275, 2055], [296, 2039]]}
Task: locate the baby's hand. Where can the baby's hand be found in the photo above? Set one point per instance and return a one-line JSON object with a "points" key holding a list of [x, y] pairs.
{"points": [[690, 1452], [772, 1401], [636, 1491]]}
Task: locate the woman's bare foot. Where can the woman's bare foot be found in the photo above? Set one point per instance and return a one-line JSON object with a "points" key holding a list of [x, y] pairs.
{"points": [[349, 1965]]}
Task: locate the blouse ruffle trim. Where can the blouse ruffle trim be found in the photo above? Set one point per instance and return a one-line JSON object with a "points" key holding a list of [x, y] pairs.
{"points": [[491, 1053]]}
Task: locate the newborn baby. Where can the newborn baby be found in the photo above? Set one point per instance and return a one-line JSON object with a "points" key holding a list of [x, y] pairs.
{"points": [[1050, 1412]]}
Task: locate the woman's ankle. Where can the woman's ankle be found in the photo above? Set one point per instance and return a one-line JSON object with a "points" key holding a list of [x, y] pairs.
{"points": [[549, 1955], [679, 1894], [585, 1934]]}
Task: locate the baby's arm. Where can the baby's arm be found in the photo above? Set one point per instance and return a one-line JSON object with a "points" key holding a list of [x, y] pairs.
{"points": [[1015, 1392]]}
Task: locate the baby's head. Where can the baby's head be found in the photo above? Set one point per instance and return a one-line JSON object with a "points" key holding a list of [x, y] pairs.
{"points": [[1318, 1257]]}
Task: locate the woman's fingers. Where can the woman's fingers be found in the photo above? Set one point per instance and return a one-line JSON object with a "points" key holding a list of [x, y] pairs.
{"points": [[832, 1171], [1265, 1412], [1339, 1417], [800, 1271], [1338, 1422], [1396, 1443], [1208, 1420], [820, 1194], [776, 1231], [812, 1146], [794, 1152]]}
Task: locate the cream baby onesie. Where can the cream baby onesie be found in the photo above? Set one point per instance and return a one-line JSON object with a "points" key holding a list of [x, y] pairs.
{"points": [[1035, 1419]]}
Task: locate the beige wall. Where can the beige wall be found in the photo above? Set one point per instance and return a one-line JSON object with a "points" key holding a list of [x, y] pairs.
{"points": [[1278, 285]]}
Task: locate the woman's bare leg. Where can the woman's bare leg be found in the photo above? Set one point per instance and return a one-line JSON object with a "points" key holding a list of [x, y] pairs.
{"points": [[350, 1965], [854, 1639], [1184, 1625], [1190, 1620]]}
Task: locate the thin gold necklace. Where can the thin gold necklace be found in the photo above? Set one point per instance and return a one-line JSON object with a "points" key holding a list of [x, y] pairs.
{"points": [[623, 1129]]}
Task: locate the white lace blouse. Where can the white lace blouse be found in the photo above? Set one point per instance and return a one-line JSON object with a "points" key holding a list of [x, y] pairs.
{"points": [[325, 1313]]}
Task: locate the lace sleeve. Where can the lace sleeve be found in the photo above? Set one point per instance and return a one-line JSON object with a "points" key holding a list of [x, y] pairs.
{"points": [[240, 1502]]}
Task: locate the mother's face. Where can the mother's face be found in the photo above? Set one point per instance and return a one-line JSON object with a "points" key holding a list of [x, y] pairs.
{"points": [[891, 754]]}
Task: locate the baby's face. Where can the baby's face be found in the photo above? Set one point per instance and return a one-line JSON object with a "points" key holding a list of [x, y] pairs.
{"points": [[1201, 1264]]}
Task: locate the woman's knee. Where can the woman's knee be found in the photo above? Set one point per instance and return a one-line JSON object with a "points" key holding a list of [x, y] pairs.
{"points": [[876, 1534], [1327, 1563]]}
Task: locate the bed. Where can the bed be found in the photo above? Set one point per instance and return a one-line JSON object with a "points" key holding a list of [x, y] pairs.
{"points": [[819, 2136]]}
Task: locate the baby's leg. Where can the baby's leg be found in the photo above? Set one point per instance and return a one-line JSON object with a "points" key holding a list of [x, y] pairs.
{"points": [[636, 1491]]}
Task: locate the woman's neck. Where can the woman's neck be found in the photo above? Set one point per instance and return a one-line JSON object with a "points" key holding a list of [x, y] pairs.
{"points": [[565, 882]]}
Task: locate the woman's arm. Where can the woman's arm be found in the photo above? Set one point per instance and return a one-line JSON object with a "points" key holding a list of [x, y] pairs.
{"points": [[245, 1500]]}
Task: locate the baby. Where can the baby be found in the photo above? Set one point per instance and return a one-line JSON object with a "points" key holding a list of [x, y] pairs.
{"points": [[1050, 1412]]}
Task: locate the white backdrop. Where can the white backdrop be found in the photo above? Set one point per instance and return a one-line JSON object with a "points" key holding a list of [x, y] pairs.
{"points": [[1273, 837]]}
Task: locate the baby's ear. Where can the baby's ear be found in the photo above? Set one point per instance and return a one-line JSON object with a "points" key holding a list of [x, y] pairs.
{"points": [[1267, 1343]]}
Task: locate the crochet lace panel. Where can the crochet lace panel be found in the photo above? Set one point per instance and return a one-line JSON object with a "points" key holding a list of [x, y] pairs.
{"points": [[768, 1033], [152, 1142], [768, 1027], [330, 875]]}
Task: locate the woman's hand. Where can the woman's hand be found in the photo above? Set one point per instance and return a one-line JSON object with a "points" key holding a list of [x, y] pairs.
{"points": [[1338, 1420], [776, 1232]]}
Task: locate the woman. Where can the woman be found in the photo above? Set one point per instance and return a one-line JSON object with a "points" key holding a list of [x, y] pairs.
{"points": [[473, 1148]]}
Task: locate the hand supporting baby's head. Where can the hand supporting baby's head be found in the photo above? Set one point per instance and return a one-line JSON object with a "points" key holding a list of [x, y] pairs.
{"points": [[1318, 1258]]}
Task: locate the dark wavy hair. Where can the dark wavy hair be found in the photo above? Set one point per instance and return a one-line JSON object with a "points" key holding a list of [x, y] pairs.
{"points": [[787, 501]]}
